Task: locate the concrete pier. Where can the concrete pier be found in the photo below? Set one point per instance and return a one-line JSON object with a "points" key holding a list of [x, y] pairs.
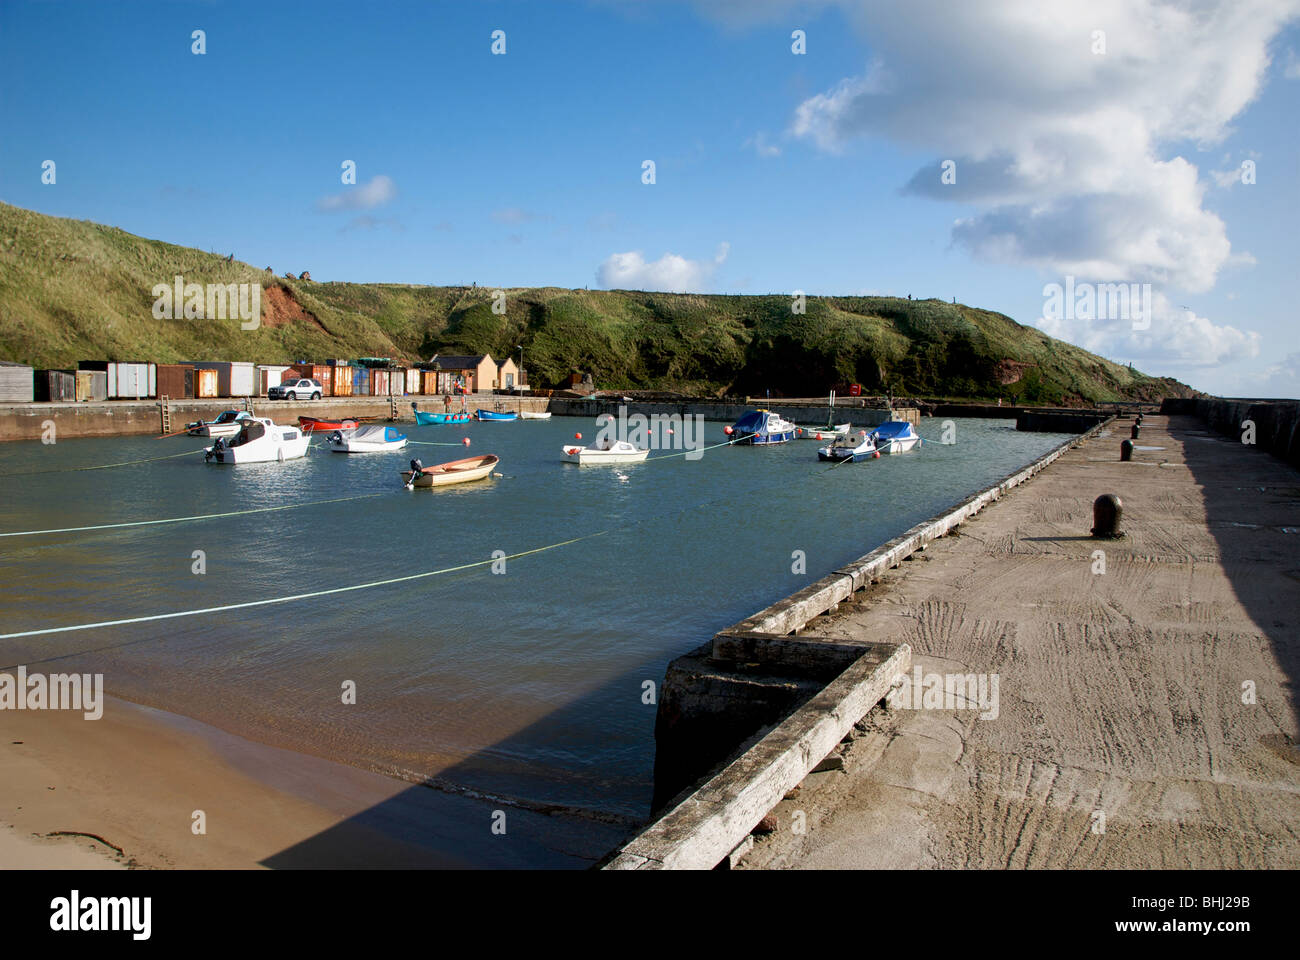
{"points": [[1147, 685]]}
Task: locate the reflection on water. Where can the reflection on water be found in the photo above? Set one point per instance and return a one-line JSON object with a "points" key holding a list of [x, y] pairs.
{"points": [[527, 681]]}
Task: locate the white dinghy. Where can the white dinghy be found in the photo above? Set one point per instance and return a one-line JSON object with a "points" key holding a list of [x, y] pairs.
{"points": [[605, 451]]}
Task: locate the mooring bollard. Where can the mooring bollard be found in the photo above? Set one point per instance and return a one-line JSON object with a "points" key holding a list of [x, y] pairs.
{"points": [[1106, 512], [1126, 451], [1137, 431], [1139, 419]]}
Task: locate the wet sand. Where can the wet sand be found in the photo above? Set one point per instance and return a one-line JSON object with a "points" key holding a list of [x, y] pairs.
{"points": [[135, 778], [1122, 739]]}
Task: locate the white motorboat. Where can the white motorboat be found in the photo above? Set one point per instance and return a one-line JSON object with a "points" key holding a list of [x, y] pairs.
{"points": [[530, 415], [895, 436], [605, 451], [859, 447], [762, 427], [375, 438], [226, 425], [829, 432], [259, 441]]}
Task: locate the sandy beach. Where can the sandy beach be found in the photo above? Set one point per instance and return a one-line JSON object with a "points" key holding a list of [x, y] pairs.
{"points": [[136, 777]]}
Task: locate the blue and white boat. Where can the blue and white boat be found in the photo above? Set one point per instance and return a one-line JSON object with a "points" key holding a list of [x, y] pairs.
{"points": [[895, 436], [374, 438], [856, 447], [495, 415], [763, 426]]}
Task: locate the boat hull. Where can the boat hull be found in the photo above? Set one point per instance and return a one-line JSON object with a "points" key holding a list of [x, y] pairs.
{"points": [[214, 430], [429, 419], [314, 425], [457, 471], [528, 415], [763, 439], [366, 446], [261, 452], [899, 446], [586, 457], [489, 415]]}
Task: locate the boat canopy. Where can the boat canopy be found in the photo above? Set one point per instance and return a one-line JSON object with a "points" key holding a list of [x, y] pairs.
{"points": [[894, 429], [378, 433], [230, 416], [755, 421]]}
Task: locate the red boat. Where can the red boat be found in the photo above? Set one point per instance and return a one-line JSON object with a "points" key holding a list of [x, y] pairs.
{"points": [[312, 424]]}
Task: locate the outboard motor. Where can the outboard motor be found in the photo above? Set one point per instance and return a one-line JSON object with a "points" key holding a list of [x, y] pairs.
{"points": [[416, 467], [336, 437]]}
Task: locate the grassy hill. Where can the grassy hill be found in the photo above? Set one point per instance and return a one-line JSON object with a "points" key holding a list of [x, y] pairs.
{"points": [[71, 290]]}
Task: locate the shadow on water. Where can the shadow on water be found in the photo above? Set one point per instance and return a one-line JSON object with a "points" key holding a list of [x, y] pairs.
{"points": [[1252, 504], [462, 818]]}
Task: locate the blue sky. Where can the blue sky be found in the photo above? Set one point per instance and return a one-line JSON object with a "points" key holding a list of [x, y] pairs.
{"points": [[774, 171]]}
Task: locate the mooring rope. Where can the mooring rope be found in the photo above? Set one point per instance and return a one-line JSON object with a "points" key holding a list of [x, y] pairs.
{"points": [[102, 466], [297, 596], [204, 516]]}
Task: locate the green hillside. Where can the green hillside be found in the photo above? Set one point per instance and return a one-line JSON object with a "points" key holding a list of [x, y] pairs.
{"points": [[72, 290]]}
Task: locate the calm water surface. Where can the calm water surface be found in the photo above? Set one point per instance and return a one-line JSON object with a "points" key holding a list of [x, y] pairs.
{"points": [[526, 683]]}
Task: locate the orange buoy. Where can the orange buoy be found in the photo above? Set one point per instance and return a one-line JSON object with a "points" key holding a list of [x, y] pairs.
{"points": [[577, 436], [728, 431], [466, 441]]}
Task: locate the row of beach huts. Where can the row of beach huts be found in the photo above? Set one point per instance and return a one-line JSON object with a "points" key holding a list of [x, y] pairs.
{"points": [[95, 380]]}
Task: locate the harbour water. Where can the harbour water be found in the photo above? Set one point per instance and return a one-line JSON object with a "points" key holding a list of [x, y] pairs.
{"points": [[533, 679]]}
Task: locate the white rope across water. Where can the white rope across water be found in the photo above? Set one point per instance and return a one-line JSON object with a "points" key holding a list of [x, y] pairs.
{"points": [[290, 599], [204, 516], [102, 466]]}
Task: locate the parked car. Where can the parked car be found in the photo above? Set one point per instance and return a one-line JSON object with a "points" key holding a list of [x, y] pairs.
{"points": [[296, 390]]}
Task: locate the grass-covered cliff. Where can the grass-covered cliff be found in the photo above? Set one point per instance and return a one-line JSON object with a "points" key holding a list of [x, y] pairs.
{"points": [[72, 290]]}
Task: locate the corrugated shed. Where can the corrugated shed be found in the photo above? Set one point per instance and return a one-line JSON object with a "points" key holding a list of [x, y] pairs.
{"points": [[55, 386], [92, 385], [175, 380]]}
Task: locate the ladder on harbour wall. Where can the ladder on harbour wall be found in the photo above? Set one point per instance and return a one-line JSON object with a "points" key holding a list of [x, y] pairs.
{"points": [[164, 402], [392, 407]]}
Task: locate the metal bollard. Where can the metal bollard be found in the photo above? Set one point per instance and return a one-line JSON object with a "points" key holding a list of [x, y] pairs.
{"points": [[1137, 431], [1106, 513], [1126, 451]]}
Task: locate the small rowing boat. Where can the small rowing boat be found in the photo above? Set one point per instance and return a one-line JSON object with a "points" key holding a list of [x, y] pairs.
{"points": [[455, 471], [496, 415], [529, 415]]}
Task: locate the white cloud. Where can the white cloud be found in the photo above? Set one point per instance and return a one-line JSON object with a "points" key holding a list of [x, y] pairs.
{"points": [[671, 272], [367, 196], [1176, 335], [1063, 152], [760, 145]]}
